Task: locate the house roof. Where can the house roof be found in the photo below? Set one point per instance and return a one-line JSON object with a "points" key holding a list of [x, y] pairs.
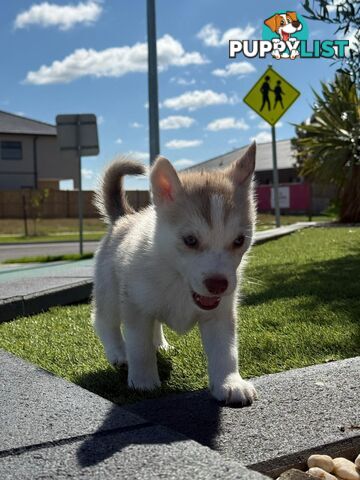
{"points": [[11, 123], [285, 157]]}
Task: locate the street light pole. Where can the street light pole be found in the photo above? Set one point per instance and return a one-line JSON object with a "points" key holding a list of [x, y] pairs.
{"points": [[152, 83]]}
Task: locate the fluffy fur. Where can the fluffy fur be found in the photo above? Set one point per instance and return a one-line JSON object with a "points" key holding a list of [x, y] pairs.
{"points": [[149, 271]]}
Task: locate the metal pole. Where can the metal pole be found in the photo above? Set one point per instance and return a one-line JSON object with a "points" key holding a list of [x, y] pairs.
{"points": [[80, 188], [152, 83], [275, 178]]}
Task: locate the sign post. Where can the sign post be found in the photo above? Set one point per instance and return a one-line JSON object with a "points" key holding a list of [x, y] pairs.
{"points": [[271, 97], [78, 133]]}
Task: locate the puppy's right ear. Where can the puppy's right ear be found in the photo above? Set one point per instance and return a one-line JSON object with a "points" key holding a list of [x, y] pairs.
{"points": [[165, 183], [242, 170], [271, 23]]}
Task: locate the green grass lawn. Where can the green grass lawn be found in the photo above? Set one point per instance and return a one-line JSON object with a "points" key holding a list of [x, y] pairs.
{"points": [[301, 306], [50, 258], [66, 229]]}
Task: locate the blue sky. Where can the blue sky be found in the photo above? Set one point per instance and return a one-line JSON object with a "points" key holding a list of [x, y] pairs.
{"points": [[90, 57]]}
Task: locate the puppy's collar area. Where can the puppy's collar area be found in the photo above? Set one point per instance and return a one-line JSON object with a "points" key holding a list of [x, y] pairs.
{"points": [[205, 303]]}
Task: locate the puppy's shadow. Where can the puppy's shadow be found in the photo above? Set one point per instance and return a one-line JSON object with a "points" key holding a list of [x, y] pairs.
{"points": [[111, 383]]}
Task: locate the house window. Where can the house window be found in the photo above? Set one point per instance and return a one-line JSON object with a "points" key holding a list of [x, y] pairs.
{"points": [[11, 150]]}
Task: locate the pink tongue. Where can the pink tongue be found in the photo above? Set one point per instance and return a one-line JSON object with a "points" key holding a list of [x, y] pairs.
{"points": [[286, 36], [208, 301]]}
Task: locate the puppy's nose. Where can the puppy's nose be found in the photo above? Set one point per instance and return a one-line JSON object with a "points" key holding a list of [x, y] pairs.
{"points": [[216, 285], [295, 24]]}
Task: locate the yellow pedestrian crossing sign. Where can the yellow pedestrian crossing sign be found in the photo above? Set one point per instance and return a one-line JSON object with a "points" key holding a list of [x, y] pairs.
{"points": [[271, 96]]}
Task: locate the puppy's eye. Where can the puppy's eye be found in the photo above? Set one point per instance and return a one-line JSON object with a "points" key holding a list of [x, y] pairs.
{"points": [[282, 22], [239, 241], [191, 241]]}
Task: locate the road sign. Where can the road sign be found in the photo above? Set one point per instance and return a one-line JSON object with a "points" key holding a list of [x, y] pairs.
{"points": [[78, 133], [271, 96]]}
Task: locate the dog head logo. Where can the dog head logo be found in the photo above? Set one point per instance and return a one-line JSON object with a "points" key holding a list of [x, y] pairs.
{"points": [[284, 24], [285, 27]]}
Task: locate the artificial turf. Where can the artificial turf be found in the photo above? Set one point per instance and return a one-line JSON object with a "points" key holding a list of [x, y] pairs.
{"points": [[300, 306]]}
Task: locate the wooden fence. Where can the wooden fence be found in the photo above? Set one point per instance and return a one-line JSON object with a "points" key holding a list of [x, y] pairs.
{"points": [[57, 203]]}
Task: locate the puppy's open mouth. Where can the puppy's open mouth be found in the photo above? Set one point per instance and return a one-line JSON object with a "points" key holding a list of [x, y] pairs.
{"points": [[206, 303], [285, 36]]}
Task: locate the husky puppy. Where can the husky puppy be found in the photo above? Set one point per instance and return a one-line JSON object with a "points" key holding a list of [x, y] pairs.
{"points": [[176, 262]]}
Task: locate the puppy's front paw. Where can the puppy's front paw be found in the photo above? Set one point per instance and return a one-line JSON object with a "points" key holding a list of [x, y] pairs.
{"points": [[116, 356], [143, 382], [234, 390]]}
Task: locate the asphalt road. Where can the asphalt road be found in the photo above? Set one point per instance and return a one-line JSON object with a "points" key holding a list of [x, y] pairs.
{"points": [[35, 249]]}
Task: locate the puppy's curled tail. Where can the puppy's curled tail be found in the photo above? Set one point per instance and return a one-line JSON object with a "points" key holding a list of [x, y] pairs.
{"points": [[110, 197]]}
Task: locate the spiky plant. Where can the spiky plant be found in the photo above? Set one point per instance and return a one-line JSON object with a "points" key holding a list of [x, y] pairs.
{"points": [[328, 147]]}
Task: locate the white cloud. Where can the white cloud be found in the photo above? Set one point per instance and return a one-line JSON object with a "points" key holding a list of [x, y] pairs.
{"points": [[62, 16], [176, 121], [113, 62], [233, 140], [100, 119], [142, 156], [183, 81], [227, 123], [198, 99], [87, 173], [261, 137], [176, 144], [212, 36], [136, 125], [239, 68], [263, 125], [336, 3], [21, 114], [183, 163], [252, 115], [119, 141]]}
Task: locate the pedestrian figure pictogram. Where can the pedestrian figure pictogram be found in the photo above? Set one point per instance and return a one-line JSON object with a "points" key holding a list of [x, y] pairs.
{"points": [[265, 89], [271, 96], [278, 94]]}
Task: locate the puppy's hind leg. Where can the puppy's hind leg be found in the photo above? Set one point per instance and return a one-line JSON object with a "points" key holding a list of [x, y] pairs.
{"points": [[106, 321], [160, 341]]}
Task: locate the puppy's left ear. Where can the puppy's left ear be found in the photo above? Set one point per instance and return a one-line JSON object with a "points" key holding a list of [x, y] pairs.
{"points": [[165, 183], [271, 23], [241, 170]]}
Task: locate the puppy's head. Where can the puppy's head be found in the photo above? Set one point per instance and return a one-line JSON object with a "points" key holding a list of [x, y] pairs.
{"points": [[205, 223], [284, 24]]}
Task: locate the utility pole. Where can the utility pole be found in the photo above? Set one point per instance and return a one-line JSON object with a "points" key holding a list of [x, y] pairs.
{"points": [[275, 178], [152, 83]]}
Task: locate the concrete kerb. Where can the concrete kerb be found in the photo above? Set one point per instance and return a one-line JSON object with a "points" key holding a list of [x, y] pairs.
{"points": [[17, 306], [299, 412], [55, 429], [23, 306]]}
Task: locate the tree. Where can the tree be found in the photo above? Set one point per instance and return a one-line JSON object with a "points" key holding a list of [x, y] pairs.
{"points": [[328, 146], [37, 200], [345, 14]]}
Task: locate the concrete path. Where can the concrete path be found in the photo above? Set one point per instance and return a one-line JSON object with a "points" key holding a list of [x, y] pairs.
{"points": [[25, 290], [53, 429], [298, 411], [18, 250]]}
